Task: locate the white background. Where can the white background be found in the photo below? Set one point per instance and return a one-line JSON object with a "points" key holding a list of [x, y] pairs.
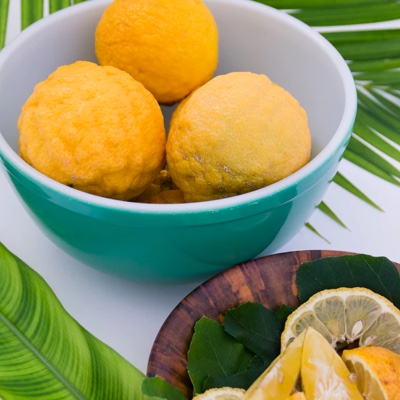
{"points": [[127, 315]]}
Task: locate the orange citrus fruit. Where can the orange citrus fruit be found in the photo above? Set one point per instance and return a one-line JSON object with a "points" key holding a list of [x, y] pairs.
{"points": [[377, 371], [161, 191], [237, 133], [171, 46], [95, 129]]}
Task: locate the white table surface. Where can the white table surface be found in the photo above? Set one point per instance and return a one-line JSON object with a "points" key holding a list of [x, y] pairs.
{"points": [[127, 315]]}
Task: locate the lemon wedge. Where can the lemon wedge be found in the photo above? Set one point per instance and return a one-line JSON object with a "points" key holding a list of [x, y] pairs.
{"points": [[377, 370], [324, 375]]}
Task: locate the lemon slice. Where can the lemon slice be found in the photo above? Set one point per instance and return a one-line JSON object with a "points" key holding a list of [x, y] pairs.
{"points": [[346, 316], [224, 393], [377, 370], [324, 375], [279, 380]]}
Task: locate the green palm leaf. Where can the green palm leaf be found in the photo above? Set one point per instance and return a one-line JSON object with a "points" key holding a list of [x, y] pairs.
{"points": [[3, 21], [45, 353]]}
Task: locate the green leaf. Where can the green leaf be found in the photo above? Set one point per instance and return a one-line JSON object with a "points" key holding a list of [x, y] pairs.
{"points": [[45, 353], [348, 15], [3, 21], [329, 212], [376, 273], [56, 5], [242, 379], [291, 4], [156, 388], [342, 181], [257, 328], [366, 158], [374, 65], [314, 230], [31, 11], [213, 353]]}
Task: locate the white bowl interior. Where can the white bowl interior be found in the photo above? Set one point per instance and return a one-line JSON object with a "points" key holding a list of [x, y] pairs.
{"points": [[253, 37]]}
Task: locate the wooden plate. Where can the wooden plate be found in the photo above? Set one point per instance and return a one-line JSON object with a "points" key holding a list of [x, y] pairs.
{"points": [[268, 280]]}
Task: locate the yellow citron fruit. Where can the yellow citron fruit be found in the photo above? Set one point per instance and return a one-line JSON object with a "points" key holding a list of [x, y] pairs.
{"points": [[224, 393], [95, 129], [377, 370], [237, 133], [297, 396], [279, 380], [171, 46], [161, 191], [345, 316], [324, 375]]}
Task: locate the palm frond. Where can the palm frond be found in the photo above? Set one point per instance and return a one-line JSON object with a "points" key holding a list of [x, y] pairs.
{"points": [[343, 182], [3, 21], [56, 5], [31, 11], [338, 12]]}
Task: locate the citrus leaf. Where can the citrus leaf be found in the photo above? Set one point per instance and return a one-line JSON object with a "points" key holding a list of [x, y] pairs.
{"points": [[241, 379], [31, 11], [156, 388], [213, 353], [257, 328], [3, 21], [376, 273], [45, 353]]}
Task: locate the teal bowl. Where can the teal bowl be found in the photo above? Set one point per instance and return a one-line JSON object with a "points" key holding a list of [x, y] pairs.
{"points": [[183, 242]]}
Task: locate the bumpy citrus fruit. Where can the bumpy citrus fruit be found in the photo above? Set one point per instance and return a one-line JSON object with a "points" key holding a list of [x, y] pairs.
{"points": [[324, 375], [344, 316], [95, 129], [161, 191], [171, 46], [279, 380], [224, 393], [237, 133], [377, 370]]}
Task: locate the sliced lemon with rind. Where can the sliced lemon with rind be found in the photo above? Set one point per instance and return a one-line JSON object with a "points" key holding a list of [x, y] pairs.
{"points": [[347, 316], [377, 370], [224, 393]]}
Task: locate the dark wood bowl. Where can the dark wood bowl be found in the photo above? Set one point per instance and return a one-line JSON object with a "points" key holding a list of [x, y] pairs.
{"points": [[268, 280]]}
